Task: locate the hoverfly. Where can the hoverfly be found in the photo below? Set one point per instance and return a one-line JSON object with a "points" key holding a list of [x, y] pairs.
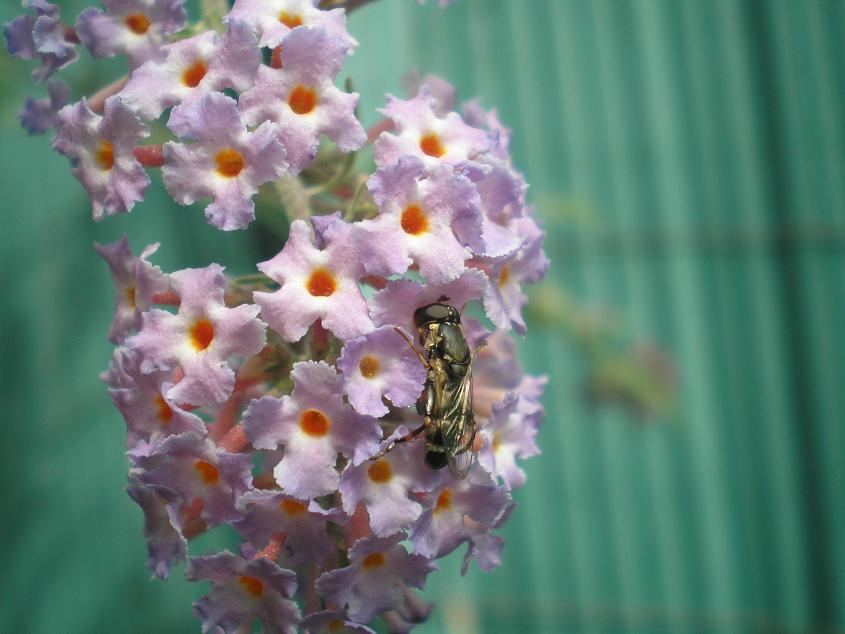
{"points": [[446, 401]]}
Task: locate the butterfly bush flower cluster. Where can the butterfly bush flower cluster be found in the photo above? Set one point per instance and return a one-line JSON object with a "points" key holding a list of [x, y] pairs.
{"points": [[265, 401]]}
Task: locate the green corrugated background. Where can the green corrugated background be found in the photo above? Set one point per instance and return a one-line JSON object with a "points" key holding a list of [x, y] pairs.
{"points": [[708, 139]]}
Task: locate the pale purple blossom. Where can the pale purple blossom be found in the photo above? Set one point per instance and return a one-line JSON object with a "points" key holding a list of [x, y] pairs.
{"points": [[100, 149], [192, 68], [316, 284], [136, 282], [443, 93], [510, 434], [385, 485], [267, 513], [166, 546], [432, 139], [273, 20], [395, 304], [380, 365], [371, 583], [301, 97], [442, 528], [41, 36], [227, 163], [332, 622], [39, 115], [194, 468], [243, 590], [201, 338], [135, 28], [313, 425], [414, 225]]}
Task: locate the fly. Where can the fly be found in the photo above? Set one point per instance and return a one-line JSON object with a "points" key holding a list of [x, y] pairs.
{"points": [[446, 400]]}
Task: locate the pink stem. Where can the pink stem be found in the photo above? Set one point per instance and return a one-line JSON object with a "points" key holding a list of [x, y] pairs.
{"points": [[235, 440], [150, 155], [97, 101], [377, 129]]}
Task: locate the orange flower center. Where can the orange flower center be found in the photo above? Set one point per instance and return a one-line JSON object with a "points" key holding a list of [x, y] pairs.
{"points": [[302, 100], [165, 414], [292, 507], [314, 423], [252, 585], [230, 162], [431, 145], [368, 366], [105, 155], [335, 625], [321, 283], [504, 276], [138, 23], [130, 296], [444, 501], [414, 221], [374, 560], [290, 21], [208, 472], [194, 74], [201, 334], [380, 471], [497, 441]]}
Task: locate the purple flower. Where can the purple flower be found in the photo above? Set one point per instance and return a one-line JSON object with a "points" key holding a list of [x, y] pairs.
{"points": [[442, 528], [135, 28], [332, 622], [191, 68], [502, 194], [273, 20], [200, 338], [195, 468], [385, 485], [500, 136], [483, 547], [149, 414], [39, 115], [443, 93], [510, 434], [504, 299], [372, 582], [100, 150], [43, 36], [304, 525], [380, 364], [415, 221], [302, 98], [228, 163], [136, 281], [242, 591], [316, 284], [166, 546], [314, 425], [432, 139], [395, 304]]}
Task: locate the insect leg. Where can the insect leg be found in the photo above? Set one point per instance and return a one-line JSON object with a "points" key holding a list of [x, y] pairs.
{"points": [[412, 346], [400, 440]]}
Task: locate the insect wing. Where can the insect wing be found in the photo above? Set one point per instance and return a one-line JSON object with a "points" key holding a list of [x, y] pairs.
{"points": [[458, 427]]}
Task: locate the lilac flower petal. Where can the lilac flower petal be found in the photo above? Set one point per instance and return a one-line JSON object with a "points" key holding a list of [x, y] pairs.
{"points": [[166, 546], [510, 434], [39, 115], [371, 582], [273, 20], [56, 53], [332, 622], [316, 284], [135, 28], [101, 152], [244, 590], [228, 163], [192, 68], [396, 303], [380, 364]]}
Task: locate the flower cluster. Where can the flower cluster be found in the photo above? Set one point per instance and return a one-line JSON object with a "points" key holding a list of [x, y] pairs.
{"points": [[272, 402]]}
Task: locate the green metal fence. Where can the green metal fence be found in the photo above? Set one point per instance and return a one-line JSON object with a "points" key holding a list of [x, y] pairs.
{"points": [[704, 143]]}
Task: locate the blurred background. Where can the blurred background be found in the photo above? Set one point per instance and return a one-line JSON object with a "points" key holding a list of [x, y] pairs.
{"points": [[688, 160]]}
